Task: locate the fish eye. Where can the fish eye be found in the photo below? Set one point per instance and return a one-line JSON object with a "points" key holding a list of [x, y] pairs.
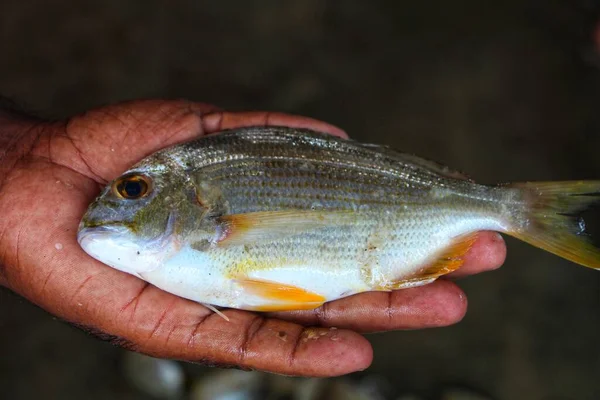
{"points": [[132, 187]]}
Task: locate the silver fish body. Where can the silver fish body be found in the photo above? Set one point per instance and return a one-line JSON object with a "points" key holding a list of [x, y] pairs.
{"points": [[280, 218]]}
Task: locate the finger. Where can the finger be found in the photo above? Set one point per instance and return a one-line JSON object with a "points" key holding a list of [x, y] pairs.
{"points": [[167, 326], [438, 304], [218, 121], [487, 254]]}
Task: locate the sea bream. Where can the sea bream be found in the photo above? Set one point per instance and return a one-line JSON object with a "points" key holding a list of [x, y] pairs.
{"points": [[275, 218]]}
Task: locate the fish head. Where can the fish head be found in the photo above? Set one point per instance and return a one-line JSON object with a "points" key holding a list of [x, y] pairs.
{"points": [[134, 225]]}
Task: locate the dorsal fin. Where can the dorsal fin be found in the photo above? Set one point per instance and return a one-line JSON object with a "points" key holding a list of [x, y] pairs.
{"points": [[406, 158]]}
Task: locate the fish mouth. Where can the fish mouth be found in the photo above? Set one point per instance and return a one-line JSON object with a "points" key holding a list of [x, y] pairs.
{"points": [[88, 231], [95, 229], [118, 247]]}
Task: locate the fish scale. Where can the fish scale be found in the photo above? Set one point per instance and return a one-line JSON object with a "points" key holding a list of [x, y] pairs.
{"points": [[264, 179], [279, 219]]}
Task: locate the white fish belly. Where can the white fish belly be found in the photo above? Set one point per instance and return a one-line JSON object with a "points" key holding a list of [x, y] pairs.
{"points": [[333, 262], [211, 279]]}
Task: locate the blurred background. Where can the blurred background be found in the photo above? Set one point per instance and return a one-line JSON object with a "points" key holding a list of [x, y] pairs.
{"points": [[505, 91]]}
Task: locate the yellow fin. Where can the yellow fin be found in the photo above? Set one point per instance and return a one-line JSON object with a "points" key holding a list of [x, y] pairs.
{"points": [[264, 226], [553, 220], [450, 259], [286, 307], [407, 283], [281, 297]]}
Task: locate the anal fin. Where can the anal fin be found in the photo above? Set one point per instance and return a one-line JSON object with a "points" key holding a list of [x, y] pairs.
{"points": [[448, 260], [408, 283]]}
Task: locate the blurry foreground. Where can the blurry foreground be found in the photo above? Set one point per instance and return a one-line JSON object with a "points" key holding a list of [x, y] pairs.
{"points": [[169, 380]]}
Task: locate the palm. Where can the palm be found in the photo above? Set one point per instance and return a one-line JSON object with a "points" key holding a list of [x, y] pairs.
{"points": [[50, 190]]}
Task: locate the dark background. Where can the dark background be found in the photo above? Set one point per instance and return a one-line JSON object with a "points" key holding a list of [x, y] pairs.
{"points": [[505, 91]]}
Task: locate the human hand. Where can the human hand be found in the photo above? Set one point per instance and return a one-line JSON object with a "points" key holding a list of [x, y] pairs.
{"points": [[51, 171]]}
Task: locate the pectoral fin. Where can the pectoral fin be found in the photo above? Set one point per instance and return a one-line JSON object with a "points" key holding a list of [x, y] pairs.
{"points": [[260, 227], [280, 297]]}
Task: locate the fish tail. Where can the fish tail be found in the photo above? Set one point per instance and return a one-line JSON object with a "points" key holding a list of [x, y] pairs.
{"points": [[552, 220]]}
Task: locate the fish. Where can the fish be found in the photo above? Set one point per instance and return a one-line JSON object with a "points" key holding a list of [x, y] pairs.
{"points": [[279, 218]]}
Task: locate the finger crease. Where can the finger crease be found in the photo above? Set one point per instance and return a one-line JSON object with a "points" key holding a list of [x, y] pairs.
{"points": [[135, 299], [162, 318], [170, 333], [321, 313], [81, 287], [389, 310], [253, 327], [292, 357], [197, 327], [47, 280]]}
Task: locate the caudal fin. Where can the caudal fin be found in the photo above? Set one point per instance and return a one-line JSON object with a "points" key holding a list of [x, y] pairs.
{"points": [[551, 220]]}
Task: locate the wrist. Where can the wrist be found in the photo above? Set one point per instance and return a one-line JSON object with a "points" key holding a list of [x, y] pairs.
{"points": [[18, 134]]}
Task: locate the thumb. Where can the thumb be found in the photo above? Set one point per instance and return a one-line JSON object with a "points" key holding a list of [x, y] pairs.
{"points": [[103, 142], [108, 140]]}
